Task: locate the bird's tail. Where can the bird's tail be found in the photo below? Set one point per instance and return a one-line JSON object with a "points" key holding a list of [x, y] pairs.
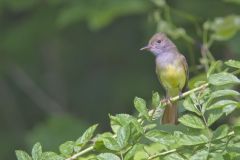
{"points": [[170, 114]]}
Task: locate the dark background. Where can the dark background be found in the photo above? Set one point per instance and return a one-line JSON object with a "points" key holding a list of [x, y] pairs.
{"points": [[65, 65]]}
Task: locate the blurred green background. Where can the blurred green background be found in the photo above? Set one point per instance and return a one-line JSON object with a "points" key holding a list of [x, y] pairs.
{"points": [[67, 64]]}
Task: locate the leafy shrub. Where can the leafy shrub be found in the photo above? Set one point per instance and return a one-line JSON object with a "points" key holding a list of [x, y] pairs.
{"points": [[139, 138]]}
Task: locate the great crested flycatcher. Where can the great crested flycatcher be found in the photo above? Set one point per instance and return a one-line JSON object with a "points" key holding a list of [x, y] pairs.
{"points": [[171, 69]]}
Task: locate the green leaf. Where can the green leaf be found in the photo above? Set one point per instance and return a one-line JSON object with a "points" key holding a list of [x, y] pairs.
{"points": [[188, 105], [131, 153], [99, 144], [216, 156], [190, 139], [135, 134], [22, 155], [67, 148], [213, 67], [87, 135], [140, 105], [116, 122], [223, 78], [233, 63], [36, 151], [194, 98], [123, 135], [111, 143], [213, 116], [50, 156], [191, 121], [220, 132], [76, 148], [221, 104], [155, 99], [137, 126], [229, 108], [159, 136], [234, 148], [122, 120], [225, 92], [173, 156], [200, 155], [107, 156]]}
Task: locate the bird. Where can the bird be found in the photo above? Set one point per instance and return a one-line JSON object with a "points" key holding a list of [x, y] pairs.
{"points": [[172, 72]]}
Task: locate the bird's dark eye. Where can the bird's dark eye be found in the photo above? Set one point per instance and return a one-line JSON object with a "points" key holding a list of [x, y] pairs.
{"points": [[159, 41]]}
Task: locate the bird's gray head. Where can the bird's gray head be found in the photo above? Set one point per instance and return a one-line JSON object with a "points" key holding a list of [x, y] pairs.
{"points": [[159, 43]]}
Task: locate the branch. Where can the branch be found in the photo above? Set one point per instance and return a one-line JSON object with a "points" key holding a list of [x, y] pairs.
{"points": [[161, 154], [203, 86], [81, 153], [91, 148]]}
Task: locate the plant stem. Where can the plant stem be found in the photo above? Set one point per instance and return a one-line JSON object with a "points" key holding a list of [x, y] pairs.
{"points": [[80, 153], [203, 86], [161, 154]]}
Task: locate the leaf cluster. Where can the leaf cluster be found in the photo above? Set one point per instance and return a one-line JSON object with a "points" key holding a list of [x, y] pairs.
{"points": [[140, 138]]}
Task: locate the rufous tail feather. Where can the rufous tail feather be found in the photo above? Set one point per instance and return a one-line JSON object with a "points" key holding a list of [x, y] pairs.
{"points": [[170, 114]]}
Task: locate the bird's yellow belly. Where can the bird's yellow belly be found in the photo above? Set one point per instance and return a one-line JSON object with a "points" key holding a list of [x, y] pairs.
{"points": [[173, 78]]}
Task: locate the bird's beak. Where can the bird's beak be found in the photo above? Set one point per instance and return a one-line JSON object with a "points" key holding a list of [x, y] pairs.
{"points": [[145, 48]]}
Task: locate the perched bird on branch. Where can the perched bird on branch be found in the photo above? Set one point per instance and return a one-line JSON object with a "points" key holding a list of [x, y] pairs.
{"points": [[171, 69]]}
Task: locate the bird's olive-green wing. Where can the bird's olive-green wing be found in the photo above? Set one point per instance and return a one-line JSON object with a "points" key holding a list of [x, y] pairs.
{"points": [[185, 66]]}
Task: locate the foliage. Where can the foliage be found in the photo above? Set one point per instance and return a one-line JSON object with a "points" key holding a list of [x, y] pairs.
{"points": [[193, 139]]}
